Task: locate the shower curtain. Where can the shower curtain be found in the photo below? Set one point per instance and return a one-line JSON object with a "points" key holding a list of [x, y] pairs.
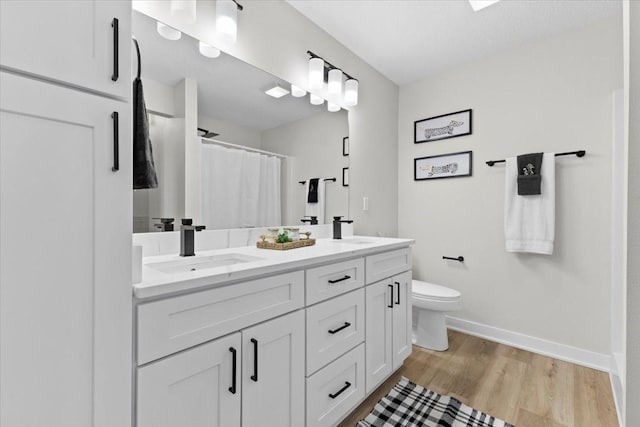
{"points": [[239, 188]]}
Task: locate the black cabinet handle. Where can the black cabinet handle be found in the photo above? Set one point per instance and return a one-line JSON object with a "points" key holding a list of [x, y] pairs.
{"points": [[339, 280], [255, 359], [346, 325], [234, 366], [347, 384], [391, 303], [398, 297], [114, 24], [116, 142]]}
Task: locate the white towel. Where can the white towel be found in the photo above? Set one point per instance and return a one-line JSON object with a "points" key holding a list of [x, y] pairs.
{"points": [[315, 209], [529, 221]]}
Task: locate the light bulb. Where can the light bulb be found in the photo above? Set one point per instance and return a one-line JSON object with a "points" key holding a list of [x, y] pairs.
{"points": [[297, 92], [335, 82], [168, 32], [316, 100], [332, 107], [227, 19], [185, 9], [351, 92], [208, 51], [316, 73]]}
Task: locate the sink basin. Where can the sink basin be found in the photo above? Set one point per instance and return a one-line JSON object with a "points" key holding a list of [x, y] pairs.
{"points": [[198, 263], [355, 241]]}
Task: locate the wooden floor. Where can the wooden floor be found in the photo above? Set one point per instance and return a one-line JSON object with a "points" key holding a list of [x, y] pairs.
{"points": [[522, 388]]}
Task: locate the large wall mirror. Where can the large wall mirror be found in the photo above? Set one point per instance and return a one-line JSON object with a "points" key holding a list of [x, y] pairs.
{"points": [[245, 165]]}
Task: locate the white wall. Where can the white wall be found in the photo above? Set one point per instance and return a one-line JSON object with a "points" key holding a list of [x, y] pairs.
{"points": [[231, 132], [632, 89], [551, 95], [315, 146], [275, 37]]}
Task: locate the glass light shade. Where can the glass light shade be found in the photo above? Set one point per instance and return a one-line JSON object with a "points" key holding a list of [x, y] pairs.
{"points": [[208, 50], [351, 92], [167, 32], [332, 107], [316, 73], [297, 92], [316, 100], [185, 9], [227, 20], [335, 82]]}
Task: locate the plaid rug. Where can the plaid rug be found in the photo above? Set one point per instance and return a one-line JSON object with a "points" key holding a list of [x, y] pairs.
{"points": [[409, 405]]}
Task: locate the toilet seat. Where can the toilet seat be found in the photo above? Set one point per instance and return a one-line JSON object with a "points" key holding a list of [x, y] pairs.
{"points": [[431, 291]]}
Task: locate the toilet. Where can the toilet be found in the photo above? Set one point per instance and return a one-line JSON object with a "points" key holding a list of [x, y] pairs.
{"points": [[430, 304]]}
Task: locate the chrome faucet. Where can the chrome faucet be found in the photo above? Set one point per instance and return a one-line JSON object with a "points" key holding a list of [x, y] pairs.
{"points": [[337, 226], [187, 237]]}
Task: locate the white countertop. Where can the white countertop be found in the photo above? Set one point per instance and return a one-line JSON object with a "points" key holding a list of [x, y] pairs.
{"points": [[156, 283]]}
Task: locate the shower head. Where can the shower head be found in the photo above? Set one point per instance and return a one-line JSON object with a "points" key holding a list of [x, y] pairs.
{"points": [[205, 133]]}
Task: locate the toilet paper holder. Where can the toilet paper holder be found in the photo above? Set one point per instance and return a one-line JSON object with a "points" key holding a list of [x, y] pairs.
{"points": [[459, 258]]}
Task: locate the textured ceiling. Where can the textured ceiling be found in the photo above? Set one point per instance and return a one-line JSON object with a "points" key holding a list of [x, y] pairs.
{"points": [[409, 40]]}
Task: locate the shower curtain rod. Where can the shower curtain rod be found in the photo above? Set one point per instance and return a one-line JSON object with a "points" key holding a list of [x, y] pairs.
{"points": [[242, 147]]}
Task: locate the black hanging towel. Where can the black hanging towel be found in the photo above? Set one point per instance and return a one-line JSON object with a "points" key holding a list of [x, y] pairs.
{"points": [[529, 178], [144, 170], [312, 197]]}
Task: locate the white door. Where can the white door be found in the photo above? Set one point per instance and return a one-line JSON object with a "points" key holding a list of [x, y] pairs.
{"points": [[69, 41], [273, 381], [194, 388], [401, 318], [65, 258], [379, 333]]}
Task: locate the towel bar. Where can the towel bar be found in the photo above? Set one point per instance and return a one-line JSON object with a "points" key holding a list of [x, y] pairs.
{"points": [[579, 153], [326, 179]]}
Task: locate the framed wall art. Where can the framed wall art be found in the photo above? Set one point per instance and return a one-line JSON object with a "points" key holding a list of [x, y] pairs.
{"points": [[445, 126], [450, 165]]}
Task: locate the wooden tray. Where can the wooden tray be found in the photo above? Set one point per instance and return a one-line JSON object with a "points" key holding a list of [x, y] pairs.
{"points": [[286, 246]]}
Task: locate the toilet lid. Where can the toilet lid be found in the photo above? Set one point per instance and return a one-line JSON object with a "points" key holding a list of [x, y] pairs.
{"points": [[422, 289]]}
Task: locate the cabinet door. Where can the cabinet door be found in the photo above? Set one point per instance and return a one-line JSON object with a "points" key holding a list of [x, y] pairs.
{"points": [[65, 258], [273, 372], [69, 41], [379, 336], [401, 318], [194, 388]]}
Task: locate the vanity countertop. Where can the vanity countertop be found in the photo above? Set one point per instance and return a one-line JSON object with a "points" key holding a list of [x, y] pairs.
{"points": [[253, 262]]}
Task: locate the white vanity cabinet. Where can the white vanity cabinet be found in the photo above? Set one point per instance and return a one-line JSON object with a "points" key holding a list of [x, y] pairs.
{"points": [[81, 43]]}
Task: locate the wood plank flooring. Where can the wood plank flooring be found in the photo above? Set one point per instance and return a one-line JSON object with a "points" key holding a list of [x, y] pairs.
{"points": [[522, 388]]}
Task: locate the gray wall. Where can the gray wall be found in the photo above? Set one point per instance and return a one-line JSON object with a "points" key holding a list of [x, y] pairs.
{"points": [[551, 95]]}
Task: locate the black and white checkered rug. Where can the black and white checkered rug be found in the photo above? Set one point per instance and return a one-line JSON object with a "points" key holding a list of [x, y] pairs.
{"points": [[409, 405]]}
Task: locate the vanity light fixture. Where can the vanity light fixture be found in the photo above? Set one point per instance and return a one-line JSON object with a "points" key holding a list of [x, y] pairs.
{"points": [[332, 107], [185, 9], [297, 92], [315, 99], [318, 66], [168, 32], [277, 91], [477, 5], [227, 19], [208, 50]]}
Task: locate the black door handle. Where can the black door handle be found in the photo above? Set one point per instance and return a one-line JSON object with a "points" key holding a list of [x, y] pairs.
{"points": [[347, 384], [346, 325], [254, 377], [234, 364], [391, 303], [339, 280], [398, 298], [116, 142], [114, 24]]}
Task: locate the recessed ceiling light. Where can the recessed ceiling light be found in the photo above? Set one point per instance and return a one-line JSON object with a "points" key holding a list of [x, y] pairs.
{"points": [[481, 4], [277, 91]]}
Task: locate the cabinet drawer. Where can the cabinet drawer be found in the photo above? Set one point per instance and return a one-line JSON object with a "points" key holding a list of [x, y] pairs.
{"points": [[336, 389], [386, 264], [334, 279], [333, 328], [170, 325]]}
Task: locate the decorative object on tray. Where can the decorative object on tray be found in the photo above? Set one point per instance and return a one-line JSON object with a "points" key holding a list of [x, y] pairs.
{"points": [[284, 246], [442, 166], [290, 238], [410, 405], [442, 127]]}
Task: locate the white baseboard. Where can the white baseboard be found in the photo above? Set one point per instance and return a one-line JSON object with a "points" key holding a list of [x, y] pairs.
{"points": [[618, 396], [590, 359]]}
